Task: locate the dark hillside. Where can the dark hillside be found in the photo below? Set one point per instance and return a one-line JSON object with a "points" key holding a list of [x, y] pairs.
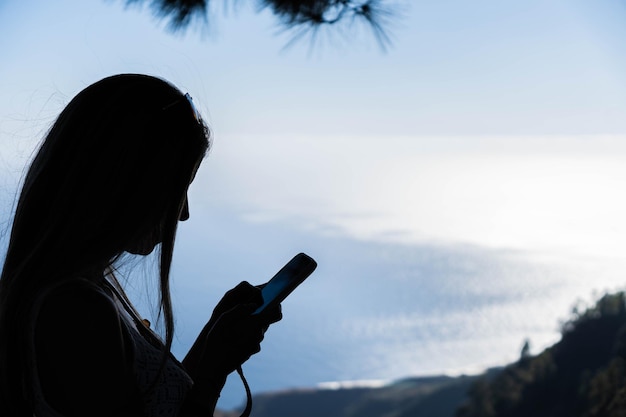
{"points": [[582, 375]]}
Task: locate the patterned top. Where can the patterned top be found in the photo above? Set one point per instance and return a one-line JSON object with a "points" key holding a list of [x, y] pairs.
{"points": [[165, 398]]}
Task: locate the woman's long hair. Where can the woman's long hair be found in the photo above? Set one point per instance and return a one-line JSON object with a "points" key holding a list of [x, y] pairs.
{"points": [[113, 169]]}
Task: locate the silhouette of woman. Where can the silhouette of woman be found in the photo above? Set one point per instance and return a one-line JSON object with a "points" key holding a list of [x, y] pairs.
{"points": [[110, 178]]}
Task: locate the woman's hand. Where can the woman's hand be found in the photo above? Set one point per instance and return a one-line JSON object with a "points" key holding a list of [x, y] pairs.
{"points": [[231, 336]]}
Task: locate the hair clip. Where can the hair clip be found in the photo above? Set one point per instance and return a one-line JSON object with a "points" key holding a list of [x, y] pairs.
{"points": [[187, 97]]}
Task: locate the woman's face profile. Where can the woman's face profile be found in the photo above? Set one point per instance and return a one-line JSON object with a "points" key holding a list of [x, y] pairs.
{"points": [[146, 244]]}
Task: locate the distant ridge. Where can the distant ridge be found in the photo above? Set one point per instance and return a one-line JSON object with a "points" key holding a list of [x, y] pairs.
{"points": [[438, 396]]}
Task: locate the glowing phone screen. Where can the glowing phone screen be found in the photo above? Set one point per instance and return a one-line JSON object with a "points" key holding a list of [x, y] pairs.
{"points": [[286, 280]]}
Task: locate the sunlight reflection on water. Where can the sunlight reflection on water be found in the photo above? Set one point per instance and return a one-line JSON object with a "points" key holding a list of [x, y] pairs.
{"points": [[383, 311]]}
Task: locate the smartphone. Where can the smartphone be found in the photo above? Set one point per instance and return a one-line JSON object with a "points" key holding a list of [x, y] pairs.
{"points": [[286, 280]]}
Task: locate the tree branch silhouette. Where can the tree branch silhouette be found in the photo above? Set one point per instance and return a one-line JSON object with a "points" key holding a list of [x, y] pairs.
{"points": [[302, 17]]}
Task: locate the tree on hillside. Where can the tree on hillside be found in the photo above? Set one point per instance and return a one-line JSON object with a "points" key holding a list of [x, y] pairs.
{"points": [[302, 17]]}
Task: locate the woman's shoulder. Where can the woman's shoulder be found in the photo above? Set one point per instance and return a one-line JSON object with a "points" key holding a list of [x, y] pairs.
{"points": [[78, 312], [83, 351], [75, 298]]}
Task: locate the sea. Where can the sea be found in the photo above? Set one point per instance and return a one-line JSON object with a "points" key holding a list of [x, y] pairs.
{"points": [[375, 312]]}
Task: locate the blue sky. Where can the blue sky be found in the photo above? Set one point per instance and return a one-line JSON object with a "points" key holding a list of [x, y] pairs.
{"points": [[455, 67], [458, 191]]}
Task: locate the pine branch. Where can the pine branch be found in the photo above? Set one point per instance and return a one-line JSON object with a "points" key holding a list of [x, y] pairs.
{"points": [[302, 17]]}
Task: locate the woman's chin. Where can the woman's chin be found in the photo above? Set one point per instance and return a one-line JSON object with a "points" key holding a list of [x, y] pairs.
{"points": [[142, 250]]}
